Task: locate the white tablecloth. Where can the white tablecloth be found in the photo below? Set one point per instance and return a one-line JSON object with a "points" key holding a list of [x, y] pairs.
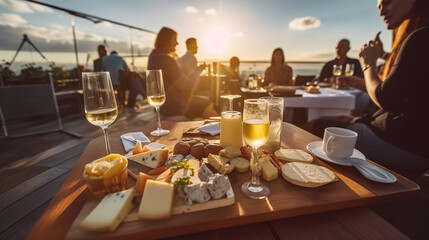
{"points": [[329, 102]]}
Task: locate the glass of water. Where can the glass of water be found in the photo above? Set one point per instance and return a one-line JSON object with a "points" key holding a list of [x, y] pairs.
{"points": [[275, 109]]}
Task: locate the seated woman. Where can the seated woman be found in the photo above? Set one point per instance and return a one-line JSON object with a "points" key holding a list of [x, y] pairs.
{"points": [[396, 135], [179, 88], [279, 73]]}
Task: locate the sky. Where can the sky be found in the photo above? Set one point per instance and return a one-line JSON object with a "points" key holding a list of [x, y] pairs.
{"points": [[307, 30]]}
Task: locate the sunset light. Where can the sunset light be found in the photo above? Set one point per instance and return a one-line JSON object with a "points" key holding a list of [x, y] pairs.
{"points": [[217, 40]]}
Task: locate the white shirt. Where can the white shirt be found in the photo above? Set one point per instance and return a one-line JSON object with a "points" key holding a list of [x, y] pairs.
{"points": [[188, 63]]}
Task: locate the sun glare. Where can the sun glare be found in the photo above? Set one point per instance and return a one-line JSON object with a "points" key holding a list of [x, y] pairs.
{"points": [[217, 40]]}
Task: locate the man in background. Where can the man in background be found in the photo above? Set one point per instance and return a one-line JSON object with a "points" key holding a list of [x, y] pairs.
{"points": [[102, 52], [341, 50], [188, 62]]}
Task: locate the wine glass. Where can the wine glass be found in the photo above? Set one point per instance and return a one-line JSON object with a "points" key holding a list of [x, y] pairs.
{"points": [[156, 97], [231, 98], [337, 70], [255, 134], [350, 69], [99, 100]]}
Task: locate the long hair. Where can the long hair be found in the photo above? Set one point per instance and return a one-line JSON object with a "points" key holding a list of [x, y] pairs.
{"points": [[283, 56], [419, 18], [164, 38]]}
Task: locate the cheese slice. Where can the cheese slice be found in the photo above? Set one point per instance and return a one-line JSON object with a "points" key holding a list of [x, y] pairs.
{"points": [[152, 159], [141, 182], [157, 200], [110, 212]]}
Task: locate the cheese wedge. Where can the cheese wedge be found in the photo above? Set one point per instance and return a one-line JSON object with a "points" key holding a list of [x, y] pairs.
{"points": [[269, 172], [141, 182], [110, 212], [220, 164], [157, 200], [152, 159], [307, 175]]}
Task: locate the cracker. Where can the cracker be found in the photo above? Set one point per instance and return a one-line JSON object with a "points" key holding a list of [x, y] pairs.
{"points": [[307, 175], [293, 155]]}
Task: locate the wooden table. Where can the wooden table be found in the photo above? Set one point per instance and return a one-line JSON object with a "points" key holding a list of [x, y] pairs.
{"points": [[286, 200]]}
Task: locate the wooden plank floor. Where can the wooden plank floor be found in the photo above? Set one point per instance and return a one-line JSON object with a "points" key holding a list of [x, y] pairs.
{"points": [[33, 168]]}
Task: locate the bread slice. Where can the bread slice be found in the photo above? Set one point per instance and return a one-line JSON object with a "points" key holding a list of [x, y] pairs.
{"points": [[241, 164], [293, 155], [307, 175], [232, 152]]}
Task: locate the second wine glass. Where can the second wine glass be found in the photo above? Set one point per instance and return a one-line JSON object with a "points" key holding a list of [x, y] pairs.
{"points": [[156, 97], [337, 70], [255, 134], [231, 98]]}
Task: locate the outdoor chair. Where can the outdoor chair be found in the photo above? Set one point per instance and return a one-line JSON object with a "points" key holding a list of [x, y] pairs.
{"points": [[26, 102], [301, 80]]}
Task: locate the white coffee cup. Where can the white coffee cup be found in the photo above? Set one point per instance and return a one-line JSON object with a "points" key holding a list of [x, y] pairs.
{"points": [[339, 142]]}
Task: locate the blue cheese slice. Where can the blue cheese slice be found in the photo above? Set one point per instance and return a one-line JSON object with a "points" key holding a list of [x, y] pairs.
{"points": [[218, 185], [204, 173], [110, 212], [197, 192], [152, 159]]}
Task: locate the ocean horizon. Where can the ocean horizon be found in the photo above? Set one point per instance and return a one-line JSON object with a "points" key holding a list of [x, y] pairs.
{"points": [[245, 69]]}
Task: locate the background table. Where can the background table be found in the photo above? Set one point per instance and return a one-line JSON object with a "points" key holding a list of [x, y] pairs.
{"points": [[286, 200], [329, 102]]}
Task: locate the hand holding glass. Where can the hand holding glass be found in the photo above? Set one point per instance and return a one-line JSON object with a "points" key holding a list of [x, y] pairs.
{"points": [[99, 100], [255, 134], [156, 97]]}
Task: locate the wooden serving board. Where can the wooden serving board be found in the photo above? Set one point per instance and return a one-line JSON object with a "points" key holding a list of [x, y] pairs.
{"points": [[179, 205]]}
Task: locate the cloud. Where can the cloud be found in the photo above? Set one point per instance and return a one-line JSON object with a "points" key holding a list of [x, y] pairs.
{"points": [[17, 6], [11, 19], [58, 26], [304, 23], [211, 12], [191, 9], [40, 8], [104, 24], [61, 40], [20, 6]]}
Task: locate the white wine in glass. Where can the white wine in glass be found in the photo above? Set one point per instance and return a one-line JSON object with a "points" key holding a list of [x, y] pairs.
{"points": [[337, 70], [156, 97], [99, 100], [255, 134], [350, 69]]}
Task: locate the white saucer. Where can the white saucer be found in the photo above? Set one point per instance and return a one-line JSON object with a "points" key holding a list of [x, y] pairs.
{"points": [[317, 149]]}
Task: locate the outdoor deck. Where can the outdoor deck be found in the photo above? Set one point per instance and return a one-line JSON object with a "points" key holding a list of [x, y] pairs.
{"points": [[33, 168]]}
